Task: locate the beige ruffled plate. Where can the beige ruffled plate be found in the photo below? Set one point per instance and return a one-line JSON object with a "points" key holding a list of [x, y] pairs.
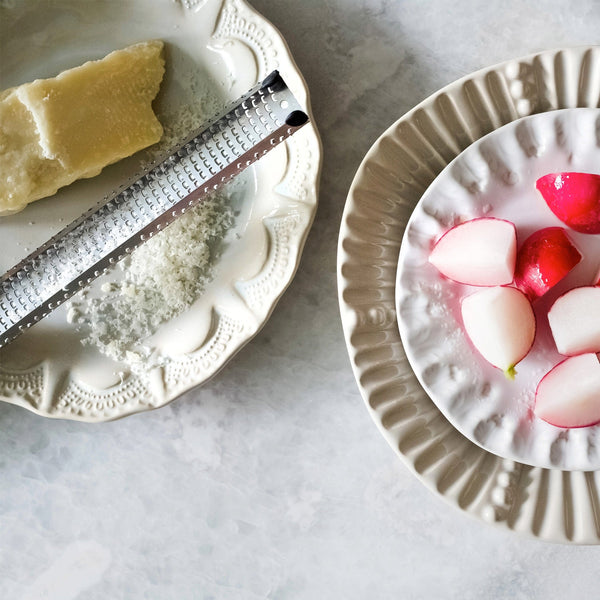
{"points": [[546, 503]]}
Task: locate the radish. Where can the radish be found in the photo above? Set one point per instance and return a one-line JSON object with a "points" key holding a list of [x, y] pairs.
{"points": [[479, 252], [574, 198], [501, 324], [569, 394], [575, 321], [543, 260]]}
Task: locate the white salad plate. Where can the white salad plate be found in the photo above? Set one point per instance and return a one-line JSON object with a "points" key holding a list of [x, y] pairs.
{"points": [[548, 503], [495, 176], [215, 51]]}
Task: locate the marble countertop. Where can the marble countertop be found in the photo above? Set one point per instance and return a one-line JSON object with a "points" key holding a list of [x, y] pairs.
{"points": [[271, 481]]}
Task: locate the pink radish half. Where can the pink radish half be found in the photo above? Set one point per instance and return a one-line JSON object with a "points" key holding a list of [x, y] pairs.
{"points": [[501, 324], [543, 260], [575, 321], [574, 198], [569, 394], [479, 252]]}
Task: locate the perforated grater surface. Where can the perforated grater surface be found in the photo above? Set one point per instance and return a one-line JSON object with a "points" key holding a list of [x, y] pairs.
{"points": [[256, 123]]}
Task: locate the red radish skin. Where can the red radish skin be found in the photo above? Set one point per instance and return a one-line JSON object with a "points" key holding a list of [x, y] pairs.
{"points": [[479, 252], [568, 396], [574, 198], [545, 258]]}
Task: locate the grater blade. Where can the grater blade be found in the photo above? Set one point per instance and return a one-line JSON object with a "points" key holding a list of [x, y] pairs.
{"points": [[90, 245]]}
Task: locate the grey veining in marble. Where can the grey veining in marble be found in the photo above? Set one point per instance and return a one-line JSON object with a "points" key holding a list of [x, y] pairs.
{"points": [[271, 481]]}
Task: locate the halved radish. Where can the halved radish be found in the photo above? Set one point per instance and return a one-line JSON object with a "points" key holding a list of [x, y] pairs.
{"points": [[543, 260], [479, 252], [569, 394], [501, 324], [574, 198], [575, 321]]}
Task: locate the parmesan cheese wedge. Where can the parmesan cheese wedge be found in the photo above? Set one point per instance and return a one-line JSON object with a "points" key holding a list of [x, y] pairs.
{"points": [[54, 131]]}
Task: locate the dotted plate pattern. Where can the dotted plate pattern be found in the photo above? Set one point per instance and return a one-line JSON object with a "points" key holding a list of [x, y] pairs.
{"points": [[181, 372], [80, 400], [554, 505], [22, 387], [286, 232]]}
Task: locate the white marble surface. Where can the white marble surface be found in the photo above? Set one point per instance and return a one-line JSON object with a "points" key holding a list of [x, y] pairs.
{"points": [[271, 481]]}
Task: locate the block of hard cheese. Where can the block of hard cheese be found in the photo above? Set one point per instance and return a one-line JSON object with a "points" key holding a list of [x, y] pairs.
{"points": [[54, 131], [25, 174]]}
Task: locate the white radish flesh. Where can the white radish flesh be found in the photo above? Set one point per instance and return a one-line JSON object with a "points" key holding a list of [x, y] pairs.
{"points": [[575, 321], [569, 394], [479, 252], [501, 324]]}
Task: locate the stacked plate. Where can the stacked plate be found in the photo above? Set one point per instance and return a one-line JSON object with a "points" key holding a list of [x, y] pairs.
{"points": [[475, 147]]}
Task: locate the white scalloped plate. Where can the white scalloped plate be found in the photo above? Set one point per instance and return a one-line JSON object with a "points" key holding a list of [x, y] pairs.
{"points": [[546, 503], [495, 176], [215, 50]]}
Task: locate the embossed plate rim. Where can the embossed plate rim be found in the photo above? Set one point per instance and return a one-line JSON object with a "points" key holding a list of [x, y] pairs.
{"points": [[274, 54]]}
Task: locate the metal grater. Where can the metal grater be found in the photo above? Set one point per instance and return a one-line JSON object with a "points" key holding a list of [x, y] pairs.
{"points": [[256, 123]]}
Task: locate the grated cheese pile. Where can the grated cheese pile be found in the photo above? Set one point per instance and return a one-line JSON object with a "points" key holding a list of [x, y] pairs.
{"points": [[161, 279]]}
